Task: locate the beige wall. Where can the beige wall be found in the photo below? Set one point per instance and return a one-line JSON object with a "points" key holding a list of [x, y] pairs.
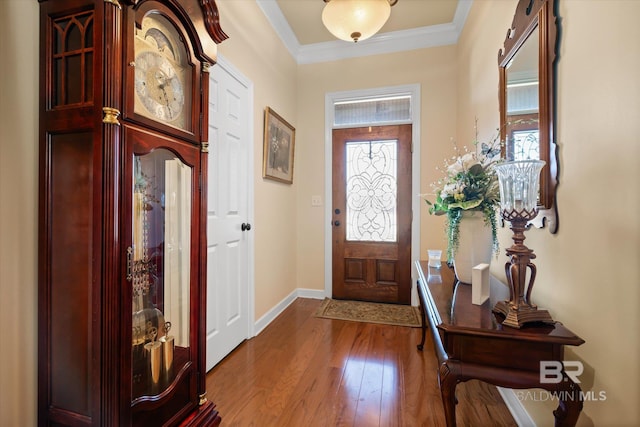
{"points": [[256, 51], [18, 211], [588, 272], [434, 69]]}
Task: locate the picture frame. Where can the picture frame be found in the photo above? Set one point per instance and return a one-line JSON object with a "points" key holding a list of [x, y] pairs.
{"points": [[279, 148]]}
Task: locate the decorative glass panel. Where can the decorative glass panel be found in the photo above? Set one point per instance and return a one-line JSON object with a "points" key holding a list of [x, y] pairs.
{"points": [[526, 145], [159, 268], [371, 191], [73, 67], [72, 72]]}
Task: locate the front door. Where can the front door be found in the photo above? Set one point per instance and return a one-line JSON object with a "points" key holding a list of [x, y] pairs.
{"points": [[371, 214]]}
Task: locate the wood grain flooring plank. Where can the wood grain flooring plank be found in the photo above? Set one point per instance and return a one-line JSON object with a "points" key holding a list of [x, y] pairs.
{"points": [[354, 365], [371, 390], [291, 368], [392, 381], [319, 385], [303, 371]]}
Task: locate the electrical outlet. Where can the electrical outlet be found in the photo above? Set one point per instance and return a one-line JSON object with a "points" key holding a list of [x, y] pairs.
{"points": [[316, 200]]}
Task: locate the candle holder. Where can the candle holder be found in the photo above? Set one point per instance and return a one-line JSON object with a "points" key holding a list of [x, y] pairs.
{"points": [[519, 183]]}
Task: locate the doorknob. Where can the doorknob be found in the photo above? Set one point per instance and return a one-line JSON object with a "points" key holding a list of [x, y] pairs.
{"points": [[336, 223], [245, 226]]}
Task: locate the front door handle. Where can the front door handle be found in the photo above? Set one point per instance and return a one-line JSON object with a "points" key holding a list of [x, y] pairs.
{"points": [[245, 226], [336, 223]]}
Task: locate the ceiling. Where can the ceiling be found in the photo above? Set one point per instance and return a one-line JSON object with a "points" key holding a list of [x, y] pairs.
{"points": [[414, 24]]}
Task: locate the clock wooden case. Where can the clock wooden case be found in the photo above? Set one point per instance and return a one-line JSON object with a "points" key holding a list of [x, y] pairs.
{"points": [[122, 212]]}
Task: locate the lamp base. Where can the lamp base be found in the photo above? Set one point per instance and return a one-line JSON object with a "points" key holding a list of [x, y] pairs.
{"points": [[517, 317]]}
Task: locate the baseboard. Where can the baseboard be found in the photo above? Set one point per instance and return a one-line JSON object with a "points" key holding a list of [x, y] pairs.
{"points": [[310, 293], [519, 414], [270, 315]]}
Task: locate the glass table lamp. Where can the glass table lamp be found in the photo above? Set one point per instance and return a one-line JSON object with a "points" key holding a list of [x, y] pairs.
{"points": [[519, 184]]}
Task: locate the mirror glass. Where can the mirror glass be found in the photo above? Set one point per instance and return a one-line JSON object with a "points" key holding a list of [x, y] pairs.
{"points": [[527, 98], [523, 109]]}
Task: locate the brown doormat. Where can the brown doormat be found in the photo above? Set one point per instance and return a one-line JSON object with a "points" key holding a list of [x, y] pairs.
{"points": [[372, 312]]}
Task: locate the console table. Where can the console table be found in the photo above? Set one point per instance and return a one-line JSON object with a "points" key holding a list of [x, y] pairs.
{"points": [[471, 343]]}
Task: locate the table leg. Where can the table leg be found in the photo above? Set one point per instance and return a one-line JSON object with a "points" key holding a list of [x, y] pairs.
{"points": [[448, 381], [570, 403], [422, 318]]}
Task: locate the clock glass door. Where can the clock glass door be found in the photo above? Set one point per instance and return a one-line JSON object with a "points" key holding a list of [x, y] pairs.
{"points": [[159, 270]]}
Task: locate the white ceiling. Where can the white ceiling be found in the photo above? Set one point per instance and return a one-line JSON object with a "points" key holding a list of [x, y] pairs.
{"points": [[414, 24]]}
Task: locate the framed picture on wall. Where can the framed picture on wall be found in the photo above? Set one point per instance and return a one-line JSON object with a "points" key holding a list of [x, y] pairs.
{"points": [[279, 144]]}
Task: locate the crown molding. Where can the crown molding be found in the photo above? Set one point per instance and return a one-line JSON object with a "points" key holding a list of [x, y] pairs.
{"points": [[390, 42], [460, 17], [279, 23]]}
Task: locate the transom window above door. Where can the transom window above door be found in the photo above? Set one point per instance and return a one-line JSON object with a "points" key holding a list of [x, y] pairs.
{"points": [[369, 111]]}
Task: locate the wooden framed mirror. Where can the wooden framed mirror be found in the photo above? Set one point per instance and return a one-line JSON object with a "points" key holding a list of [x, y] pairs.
{"points": [[527, 97]]}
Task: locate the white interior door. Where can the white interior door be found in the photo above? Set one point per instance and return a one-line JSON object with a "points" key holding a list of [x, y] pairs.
{"points": [[229, 237]]}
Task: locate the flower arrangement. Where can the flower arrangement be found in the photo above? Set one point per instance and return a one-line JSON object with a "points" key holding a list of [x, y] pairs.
{"points": [[470, 184]]}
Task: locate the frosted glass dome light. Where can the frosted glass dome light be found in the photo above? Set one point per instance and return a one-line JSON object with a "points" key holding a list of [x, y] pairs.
{"points": [[355, 20]]}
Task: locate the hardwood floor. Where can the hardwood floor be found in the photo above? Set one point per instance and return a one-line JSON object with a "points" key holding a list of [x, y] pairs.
{"points": [[313, 372]]}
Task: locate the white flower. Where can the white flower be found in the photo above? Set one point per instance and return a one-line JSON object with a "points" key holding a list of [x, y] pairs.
{"points": [[470, 183], [462, 164], [453, 189]]}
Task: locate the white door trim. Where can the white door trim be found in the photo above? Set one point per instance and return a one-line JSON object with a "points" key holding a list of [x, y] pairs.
{"points": [[330, 99], [244, 81]]}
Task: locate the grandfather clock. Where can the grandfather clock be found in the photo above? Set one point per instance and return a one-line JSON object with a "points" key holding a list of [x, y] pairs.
{"points": [[123, 185]]}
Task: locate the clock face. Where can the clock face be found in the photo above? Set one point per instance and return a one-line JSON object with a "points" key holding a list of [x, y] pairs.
{"points": [[159, 87], [162, 74]]}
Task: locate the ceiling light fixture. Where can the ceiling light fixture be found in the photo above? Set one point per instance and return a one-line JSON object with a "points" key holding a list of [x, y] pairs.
{"points": [[354, 20]]}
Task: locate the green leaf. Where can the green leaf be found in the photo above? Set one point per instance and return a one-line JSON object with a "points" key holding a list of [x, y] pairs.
{"points": [[476, 169], [466, 205]]}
